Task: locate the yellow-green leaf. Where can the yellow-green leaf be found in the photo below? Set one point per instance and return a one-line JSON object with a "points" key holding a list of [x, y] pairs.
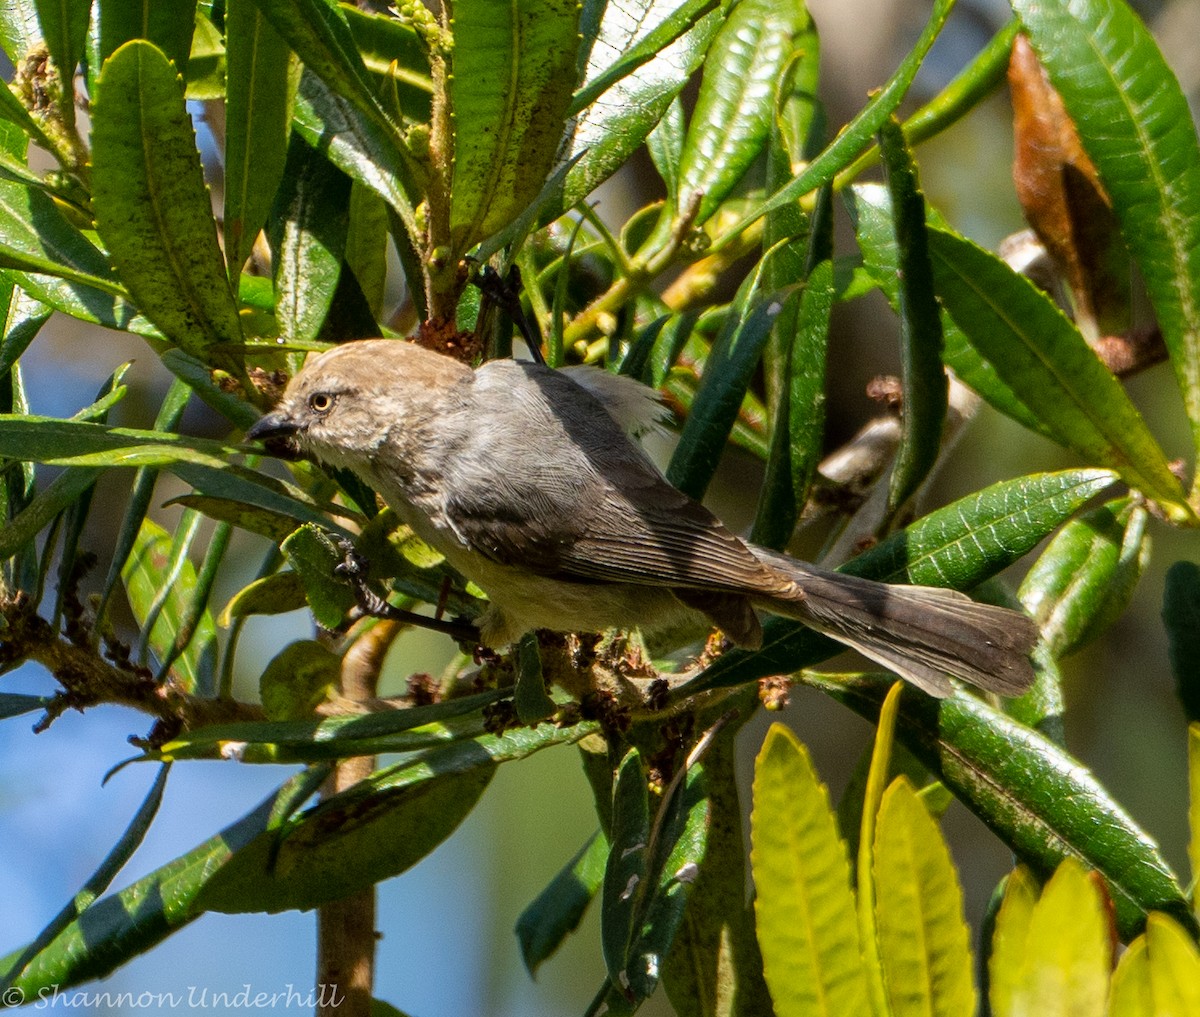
{"points": [[923, 939], [1010, 940], [1066, 964], [1194, 806], [805, 911], [1159, 975]]}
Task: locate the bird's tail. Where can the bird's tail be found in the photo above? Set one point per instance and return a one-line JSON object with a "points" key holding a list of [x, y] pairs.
{"points": [[923, 633]]}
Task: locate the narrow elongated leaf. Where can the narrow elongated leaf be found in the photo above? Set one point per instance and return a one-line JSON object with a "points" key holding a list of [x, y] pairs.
{"points": [[317, 31], [13, 704], [925, 391], [259, 94], [805, 912], [512, 73], [1181, 618], [727, 376], [1134, 122], [1038, 352], [557, 911], [1042, 802], [1158, 975], [166, 23], [64, 29], [407, 730], [358, 147], [153, 209], [131, 922], [375, 830], [1085, 578], [854, 137], [923, 939], [957, 546], [100, 880], [677, 847], [625, 874], [146, 576], [62, 492], [308, 241], [614, 124], [732, 117], [715, 966], [871, 209]]}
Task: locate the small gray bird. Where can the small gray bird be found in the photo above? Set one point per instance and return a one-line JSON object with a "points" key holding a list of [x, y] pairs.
{"points": [[525, 479]]}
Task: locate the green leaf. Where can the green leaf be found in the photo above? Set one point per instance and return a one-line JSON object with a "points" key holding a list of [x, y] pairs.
{"points": [[923, 939], [318, 33], [376, 829], [512, 69], [69, 272], [1041, 355], [1158, 975], [557, 911], [714, 966], [925, 391], [1066, 959], [298, 679], [206, 72], [397, 61], [67, 488], [358, 147], [794, 361], [314, 556], [64, 30], [613, 125], [1181, 618], [168, 24], [625, 875], [530, 698], [853, 138], [677, 847], [153, 208], [308, 241], [1084, 579], [805, 912], [13, 704], [276, 594], [871, 210], [260, 91], [957, 546], [727, 376], [20, 30], [146, 576], [271, 525], [410, 730], [1135, 124], [1039, 800], [732, 117], [133, 921]]}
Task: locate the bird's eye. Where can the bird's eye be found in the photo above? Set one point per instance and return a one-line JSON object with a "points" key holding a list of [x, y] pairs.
{"points": [[320, 402]]}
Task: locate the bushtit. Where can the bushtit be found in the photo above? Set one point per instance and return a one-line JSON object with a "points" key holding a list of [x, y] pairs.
{"points": [[525, 479]]}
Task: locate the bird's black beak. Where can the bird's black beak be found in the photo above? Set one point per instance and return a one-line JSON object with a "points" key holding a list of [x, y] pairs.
{"points": [[277, 432]]}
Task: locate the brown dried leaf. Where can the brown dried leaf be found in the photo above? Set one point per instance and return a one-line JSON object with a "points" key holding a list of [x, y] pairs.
{"points": [[1064, 200]]}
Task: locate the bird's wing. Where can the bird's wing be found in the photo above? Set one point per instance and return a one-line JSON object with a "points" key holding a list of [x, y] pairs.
{"points": [[592, 508]]}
